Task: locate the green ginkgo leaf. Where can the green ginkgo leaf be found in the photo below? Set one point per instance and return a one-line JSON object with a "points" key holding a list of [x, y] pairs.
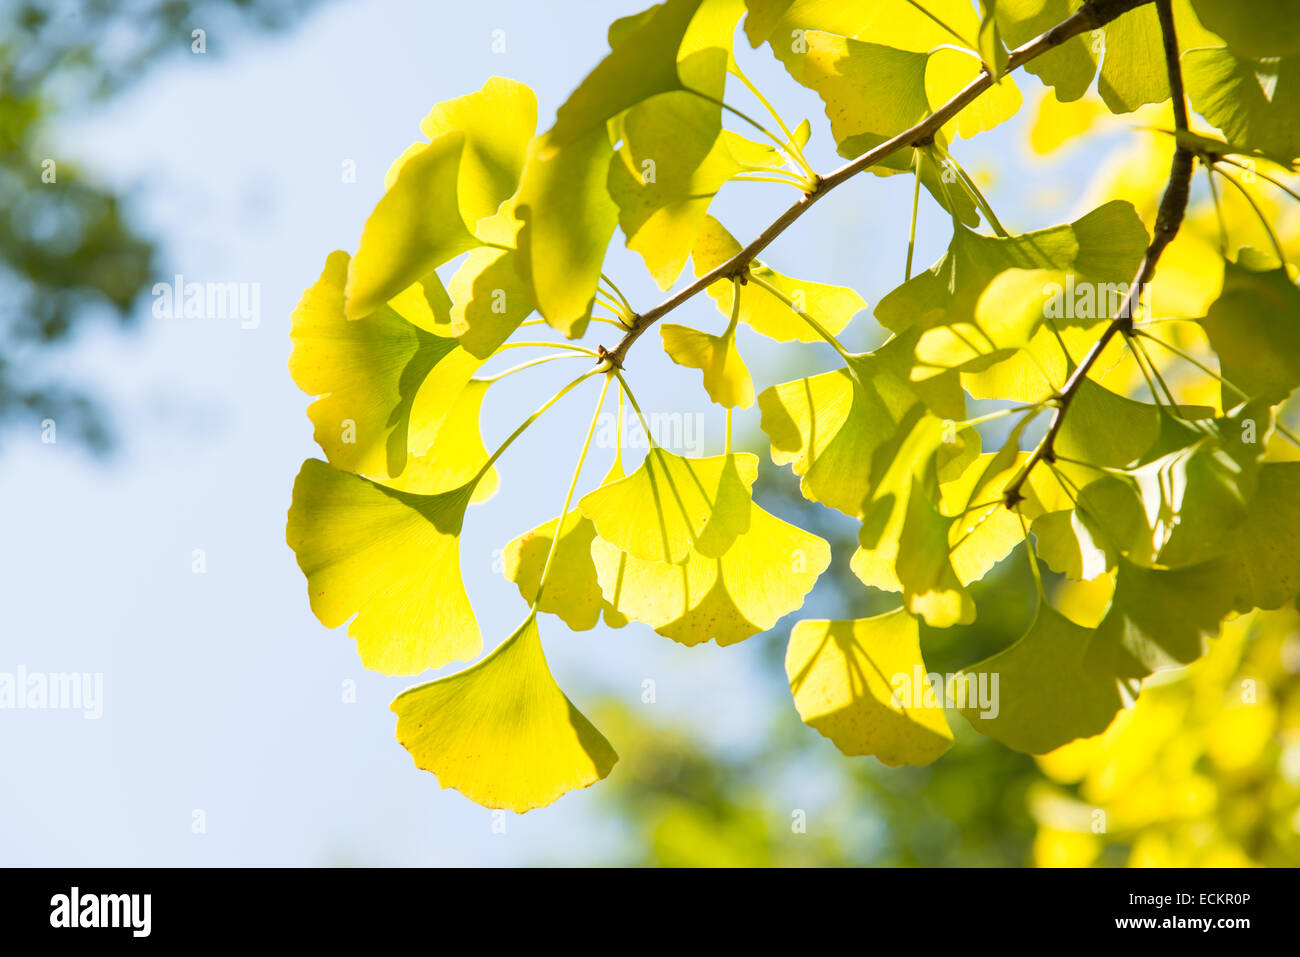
{"points": [[415, 227], [501, 732], [1254, 102], [370, 374], [390, 558], [1160, 617], [1101, 250], [1044, 697], [1263, 544], [497, 121], [1265, 29], [1103, 428], [568, 219], [672, 505], [918, 28], [764, 575], [847, 678], [831, 306], [1254, 328], [726, 379], [1065, 542]]}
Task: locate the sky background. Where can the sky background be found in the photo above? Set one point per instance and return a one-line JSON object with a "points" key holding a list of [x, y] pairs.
{"points": [[222, 693]]}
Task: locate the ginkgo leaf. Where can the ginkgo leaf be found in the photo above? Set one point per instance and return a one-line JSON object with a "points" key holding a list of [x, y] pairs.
{"points": [[831, 306], [490, 300], [369, 373], [948, 71], [726, 379], [497, 121], [1044, 696], [1254, 102], [572, 591], [892, 523], [672, 505], [568, 219], [643, 62], [982, 536], [1266, 30], [663, 195], [1160, 617], [826, 427], [1007, 313], [930, 586], [1254, 328], [1066, 543], [501, 732], [896, 23], [1102, 248], [457, 454], [847, 678], [415, 227], [1103, 428], [764, 575], [1264, 542], [1129, 49], [390, 558]]}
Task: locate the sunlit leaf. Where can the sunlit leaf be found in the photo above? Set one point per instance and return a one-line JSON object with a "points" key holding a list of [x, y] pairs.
{"points": [[1254, 328], [568, 220], [498, 121], [390, 558], [672, 505], [415, 227], [725, 377], [844, 675], [1044, 696], [1254, 102], [502, 732], [831, 306], [764, 575], [1160, 617]]}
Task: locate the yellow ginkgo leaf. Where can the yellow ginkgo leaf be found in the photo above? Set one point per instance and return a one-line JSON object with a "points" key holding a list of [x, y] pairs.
{"points": [[369, 373], [457, 453], [663, 197], [765, 574], [725, 377], [489, 300], [948, 71], [498, 121], [862, 684], [501, 732], [1007, 314], [831, 306], [827, 427], [571, 591], [390, 558], [568, 219], [672, 505], [415, 227]]}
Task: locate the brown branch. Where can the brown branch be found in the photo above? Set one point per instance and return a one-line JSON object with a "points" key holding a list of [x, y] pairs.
{"points": [[1090, 16], [1169, 217]]}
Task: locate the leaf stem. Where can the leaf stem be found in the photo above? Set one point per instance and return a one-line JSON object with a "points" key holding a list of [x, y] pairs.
{"points": [[568, 498], [523, 426], [817, 327]]}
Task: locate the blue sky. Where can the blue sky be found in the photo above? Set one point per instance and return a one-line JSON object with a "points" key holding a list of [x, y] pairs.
{"points": [[222, 693]]}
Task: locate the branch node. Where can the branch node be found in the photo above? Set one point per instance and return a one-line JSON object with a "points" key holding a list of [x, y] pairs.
{"points": [[613, 358]]}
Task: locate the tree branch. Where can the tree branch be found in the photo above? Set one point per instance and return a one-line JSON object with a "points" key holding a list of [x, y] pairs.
{"points": [[1169, 217], [1093, 14]]}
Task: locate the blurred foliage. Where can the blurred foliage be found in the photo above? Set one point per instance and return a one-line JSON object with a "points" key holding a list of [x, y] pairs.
{"points": [[68, 252]]}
